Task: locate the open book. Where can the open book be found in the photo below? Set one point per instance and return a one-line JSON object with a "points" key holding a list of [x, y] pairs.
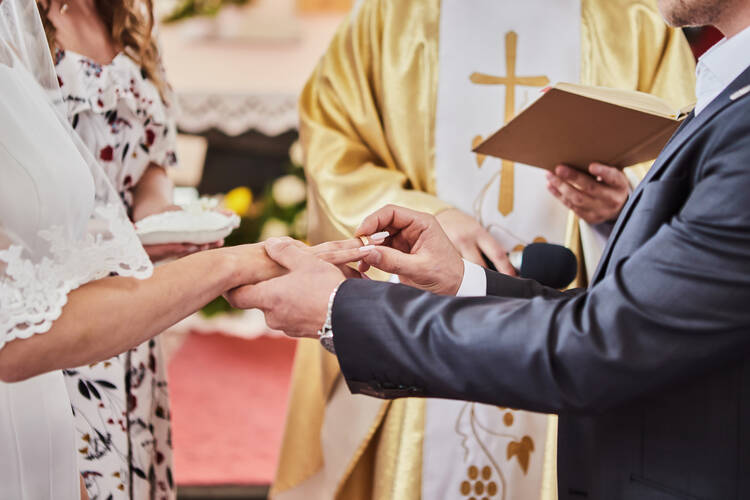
{"points": [[578, 124]]}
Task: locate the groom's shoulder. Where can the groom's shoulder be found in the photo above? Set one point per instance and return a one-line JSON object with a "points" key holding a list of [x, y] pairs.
{"points": [[729, 130]]}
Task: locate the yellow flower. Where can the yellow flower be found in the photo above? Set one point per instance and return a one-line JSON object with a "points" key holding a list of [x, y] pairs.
{"points": [[238, 200]]}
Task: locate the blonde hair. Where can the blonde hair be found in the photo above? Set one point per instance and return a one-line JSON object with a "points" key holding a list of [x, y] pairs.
{"points": [[131, 26]]}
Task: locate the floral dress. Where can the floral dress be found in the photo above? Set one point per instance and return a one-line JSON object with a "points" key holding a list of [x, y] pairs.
{"points": [[121, 405]]}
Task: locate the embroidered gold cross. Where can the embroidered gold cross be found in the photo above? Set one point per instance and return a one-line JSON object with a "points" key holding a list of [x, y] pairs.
{"points": [[505, 203]]}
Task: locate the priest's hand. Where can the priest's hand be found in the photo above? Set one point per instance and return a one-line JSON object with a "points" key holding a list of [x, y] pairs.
{"points": [[595, 198], [297, 302], [417, 250], [472, 240]]}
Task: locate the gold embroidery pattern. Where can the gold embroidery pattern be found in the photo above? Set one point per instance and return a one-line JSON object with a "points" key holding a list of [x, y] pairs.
{"points": [[522, 451], [511, 80], [479, 488], [519, 447]]}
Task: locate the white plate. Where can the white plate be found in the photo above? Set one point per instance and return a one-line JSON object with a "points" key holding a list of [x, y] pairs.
{"points": [[194, 225]]}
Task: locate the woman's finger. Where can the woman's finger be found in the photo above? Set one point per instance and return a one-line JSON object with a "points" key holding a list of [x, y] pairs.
{"points": [[338, 257], [349, 244]]}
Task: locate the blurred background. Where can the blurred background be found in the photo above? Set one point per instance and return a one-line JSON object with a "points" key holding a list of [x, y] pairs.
{"points": [[237, 68]]}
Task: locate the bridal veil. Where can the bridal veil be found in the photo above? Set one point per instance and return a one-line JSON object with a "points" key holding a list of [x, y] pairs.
{"points": [[61, 222], [61, 226]]}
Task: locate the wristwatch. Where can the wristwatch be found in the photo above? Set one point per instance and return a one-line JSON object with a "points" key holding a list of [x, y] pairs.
{"points": [[325, 334]]}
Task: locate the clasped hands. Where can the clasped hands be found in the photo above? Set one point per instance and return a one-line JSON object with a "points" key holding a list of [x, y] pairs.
{"points": [[416, 249]]}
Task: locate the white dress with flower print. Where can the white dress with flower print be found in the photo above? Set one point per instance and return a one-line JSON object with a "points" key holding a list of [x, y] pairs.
{"points": [[121, 405]]}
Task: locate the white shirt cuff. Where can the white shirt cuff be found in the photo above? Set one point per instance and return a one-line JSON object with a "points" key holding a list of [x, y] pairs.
{"points": [[474, 282]]}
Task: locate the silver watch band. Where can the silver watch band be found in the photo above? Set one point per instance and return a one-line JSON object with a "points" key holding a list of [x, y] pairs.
{"points": [[325, 334]]}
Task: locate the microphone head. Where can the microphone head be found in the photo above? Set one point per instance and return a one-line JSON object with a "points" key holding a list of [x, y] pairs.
{"points": [[551, 265]]}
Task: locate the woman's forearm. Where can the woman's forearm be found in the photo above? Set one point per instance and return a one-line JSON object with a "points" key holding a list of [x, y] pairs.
{"points": [[109, 316], [153, 193]]}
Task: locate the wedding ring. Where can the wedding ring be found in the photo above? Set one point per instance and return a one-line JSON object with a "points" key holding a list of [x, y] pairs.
{"points": [[364, 240]]}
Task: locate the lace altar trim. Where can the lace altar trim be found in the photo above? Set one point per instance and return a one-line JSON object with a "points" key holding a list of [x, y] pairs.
{"points": [[234, 114], [32, 294]]}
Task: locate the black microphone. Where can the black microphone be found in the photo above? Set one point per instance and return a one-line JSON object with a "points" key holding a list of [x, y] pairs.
{"points": [[551, 265]]}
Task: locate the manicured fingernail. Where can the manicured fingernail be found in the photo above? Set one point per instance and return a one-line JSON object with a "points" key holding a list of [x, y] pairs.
{"points": [[366, 248], [380, 236]]}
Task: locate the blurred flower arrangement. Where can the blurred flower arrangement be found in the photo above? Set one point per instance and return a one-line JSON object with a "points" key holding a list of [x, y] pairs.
{"points": [[184, 9], [279, 211]]}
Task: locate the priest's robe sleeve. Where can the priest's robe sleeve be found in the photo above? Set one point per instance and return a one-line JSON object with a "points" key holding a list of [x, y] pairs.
{"points": [[367, 119]]}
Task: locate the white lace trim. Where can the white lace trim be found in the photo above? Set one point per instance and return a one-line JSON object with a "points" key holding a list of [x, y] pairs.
{"points": [[235, 114], [32, 294]]}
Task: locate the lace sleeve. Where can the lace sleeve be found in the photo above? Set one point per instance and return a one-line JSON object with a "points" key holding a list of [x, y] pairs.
{"points": [[34, 291], [61, 222]]}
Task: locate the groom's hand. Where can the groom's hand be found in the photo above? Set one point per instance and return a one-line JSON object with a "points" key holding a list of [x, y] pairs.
{"points": [[296, 302], [417, 250]]}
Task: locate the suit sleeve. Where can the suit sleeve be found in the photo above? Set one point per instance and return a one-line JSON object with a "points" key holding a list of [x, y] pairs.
{"points": [[502, 285], [676, 308], [354, 143]]}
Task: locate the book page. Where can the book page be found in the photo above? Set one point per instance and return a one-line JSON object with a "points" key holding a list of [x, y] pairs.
{"points": [[626, 98]]}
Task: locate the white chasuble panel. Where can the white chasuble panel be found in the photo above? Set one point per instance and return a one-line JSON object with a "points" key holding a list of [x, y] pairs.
{"points": [[495, 57]]}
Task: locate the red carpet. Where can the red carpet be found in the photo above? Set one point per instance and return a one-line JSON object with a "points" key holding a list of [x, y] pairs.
{"points": [[229, 399]]}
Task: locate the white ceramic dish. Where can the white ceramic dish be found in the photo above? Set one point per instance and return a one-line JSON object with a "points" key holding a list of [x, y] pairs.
{"points": [[195, 224]]}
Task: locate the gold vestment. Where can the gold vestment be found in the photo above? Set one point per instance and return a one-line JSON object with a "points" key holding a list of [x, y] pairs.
{"points": [[367, 118]]}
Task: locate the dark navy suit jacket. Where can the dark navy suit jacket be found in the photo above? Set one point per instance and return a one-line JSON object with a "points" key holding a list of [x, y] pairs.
{"points": [[649, 369]]}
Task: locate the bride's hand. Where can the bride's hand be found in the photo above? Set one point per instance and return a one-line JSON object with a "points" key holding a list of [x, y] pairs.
{"points": [[253, 265], [339, 253], [176, 250], [344, 252]]}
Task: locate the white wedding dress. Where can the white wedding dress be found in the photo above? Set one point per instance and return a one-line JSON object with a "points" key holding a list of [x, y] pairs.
{"points": [[61, 226]]}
